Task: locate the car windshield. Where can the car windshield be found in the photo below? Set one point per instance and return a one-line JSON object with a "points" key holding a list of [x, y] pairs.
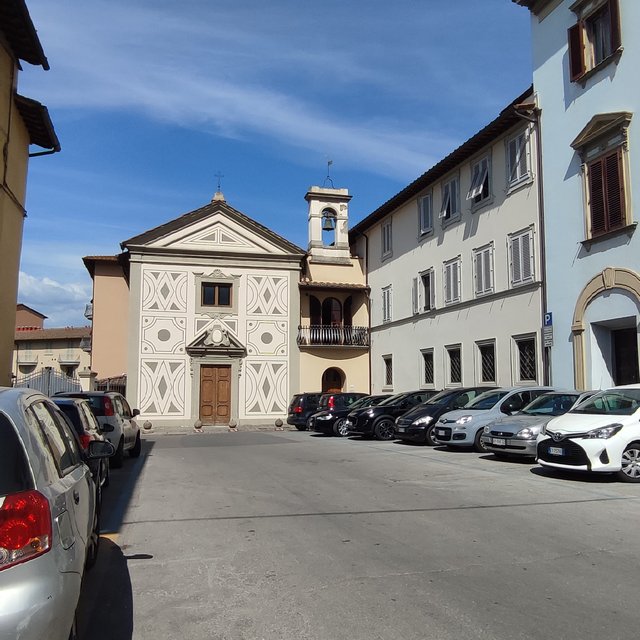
{"points": [[487, 400], [443, 396], [621, 402], [367, 401], [393, 400], [550, 404]]}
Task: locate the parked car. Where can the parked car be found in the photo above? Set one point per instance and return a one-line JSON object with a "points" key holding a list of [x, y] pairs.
{"points": [[379, 421], [331, 420], [464, 427], [516, 435], [116, 419], [86, 427], [301, 408], [49, 524], [602, 434], [417, 425]]}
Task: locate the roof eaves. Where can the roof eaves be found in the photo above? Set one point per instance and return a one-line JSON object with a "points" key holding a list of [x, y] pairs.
{"points": [[38, 122], [16, 24], [500, 125]]}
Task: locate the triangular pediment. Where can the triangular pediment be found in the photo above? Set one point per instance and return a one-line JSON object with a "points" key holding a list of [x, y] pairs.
{"points": [[217, 340], [214, 228], [601, 125]]}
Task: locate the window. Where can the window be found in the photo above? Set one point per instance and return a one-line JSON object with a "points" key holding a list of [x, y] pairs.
{"points": [[215, 294], [386, 239], [388, 370], [602, 145], [386, 304], [487, 361], [454, 364], [60, 441], [425, 212], [422, 292], [450, 200], [479, 189], [521, 253], [452, 281], [595, 38], [483, 270], [428, 376], [526, 359], [518, 159]]}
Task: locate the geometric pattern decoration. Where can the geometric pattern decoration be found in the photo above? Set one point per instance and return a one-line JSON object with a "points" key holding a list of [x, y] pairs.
{"points": [[163, 335], [267, 295], [203, 323], [267, 337], [162, 387], [266, 387], [220, 236], [164, 291]]}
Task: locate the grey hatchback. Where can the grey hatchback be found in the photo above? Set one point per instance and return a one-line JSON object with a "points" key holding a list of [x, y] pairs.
{"points": [[49, 525]]}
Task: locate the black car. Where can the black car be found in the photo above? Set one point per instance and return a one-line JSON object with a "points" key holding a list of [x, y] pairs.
{"points": [[379, 421], [417, 424], [302, 407], [331, 420]]}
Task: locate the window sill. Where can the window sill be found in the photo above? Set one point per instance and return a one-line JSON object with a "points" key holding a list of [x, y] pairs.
{"points": [[524, 283], [626, 230], [386, 256], [613, 58], [424, 235], [520, 184], [478, 206], [446, 222]]}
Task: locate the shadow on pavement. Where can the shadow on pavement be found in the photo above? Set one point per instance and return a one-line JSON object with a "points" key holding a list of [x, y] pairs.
{"points": [[106, 605], [576, 476]]}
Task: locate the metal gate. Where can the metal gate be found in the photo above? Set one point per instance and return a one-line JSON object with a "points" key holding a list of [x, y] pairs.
{"points": [[49, 382]]}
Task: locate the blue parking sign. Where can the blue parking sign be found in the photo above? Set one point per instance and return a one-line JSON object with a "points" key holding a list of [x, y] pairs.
{"points": [[548, 319]]}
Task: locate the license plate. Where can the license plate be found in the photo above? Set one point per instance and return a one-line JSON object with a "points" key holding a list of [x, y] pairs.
{"points": [[501, 442], [441, 433], [400, 429], [556, 451]]}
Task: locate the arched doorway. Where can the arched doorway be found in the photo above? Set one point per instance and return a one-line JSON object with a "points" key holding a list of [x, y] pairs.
{"points": [[332, 380]]}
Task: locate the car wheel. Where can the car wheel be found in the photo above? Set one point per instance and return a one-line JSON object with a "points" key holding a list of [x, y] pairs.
{"points": [[137, 447], [94, 539], [116, 459], [630, 471], [478, 445], [428, 436], [340, 428], [384, 429]]}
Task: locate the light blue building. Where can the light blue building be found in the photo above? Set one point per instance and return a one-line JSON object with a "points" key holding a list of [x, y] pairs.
{"points": [[586, 56]]}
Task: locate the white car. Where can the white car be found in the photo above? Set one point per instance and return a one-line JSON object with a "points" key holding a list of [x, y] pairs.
{"points": [[602, 435]]}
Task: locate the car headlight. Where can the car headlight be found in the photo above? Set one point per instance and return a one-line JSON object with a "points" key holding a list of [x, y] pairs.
{"points": [[605, 432], [464, 419], [423, 420], [526, 434], [486, 429], [323, 417]]}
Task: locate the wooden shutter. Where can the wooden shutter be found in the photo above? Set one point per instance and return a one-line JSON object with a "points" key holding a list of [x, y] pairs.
{"points": [[614, 17], [516, 262], [614, 186], [576, 51], [596, 198], [526, 257], [414, 296], [488, 276]]}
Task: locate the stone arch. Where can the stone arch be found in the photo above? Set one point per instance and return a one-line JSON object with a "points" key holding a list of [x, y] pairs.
{"points": [[609, 278], [333, 380]]}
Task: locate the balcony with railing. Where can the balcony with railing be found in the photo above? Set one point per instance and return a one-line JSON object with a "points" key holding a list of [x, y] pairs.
{"points": [[333, 336], [88, 311]]}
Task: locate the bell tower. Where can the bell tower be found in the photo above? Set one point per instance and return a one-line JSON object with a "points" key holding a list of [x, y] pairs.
{"points": [[328, 225]]}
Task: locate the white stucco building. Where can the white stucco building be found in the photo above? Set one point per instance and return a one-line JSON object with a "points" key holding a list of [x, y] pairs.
{"points": [[585, 57], [454, 266]]}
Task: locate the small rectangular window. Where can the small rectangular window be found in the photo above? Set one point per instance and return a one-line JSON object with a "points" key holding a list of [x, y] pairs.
{"points": [[483, 270], [606, 194], [526, 354], [427, 290], [522, 264], [214, 294], [386, 304], [388, 371], [450, 199], [487, 352], [387, 246], [455, 364], [518, 159], [428, 374], [479, 189], [452, 281], [426, 214]]}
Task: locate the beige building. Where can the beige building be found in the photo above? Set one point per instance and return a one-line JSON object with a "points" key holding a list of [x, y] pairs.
{"points": [[23, 122]]}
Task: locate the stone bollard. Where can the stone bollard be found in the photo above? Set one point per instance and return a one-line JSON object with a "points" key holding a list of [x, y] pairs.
{"points": [[147, 426], [233, 425], [197, 426], [279, 424]]}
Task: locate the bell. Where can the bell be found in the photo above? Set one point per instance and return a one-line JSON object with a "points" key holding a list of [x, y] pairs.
{"points": [[328, 223]]}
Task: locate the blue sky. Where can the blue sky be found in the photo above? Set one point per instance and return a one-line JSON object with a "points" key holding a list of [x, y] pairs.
{"points": [[152, 98]]}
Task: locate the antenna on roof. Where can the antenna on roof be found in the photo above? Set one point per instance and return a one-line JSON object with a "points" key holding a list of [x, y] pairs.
{"points": [[328, 178]]}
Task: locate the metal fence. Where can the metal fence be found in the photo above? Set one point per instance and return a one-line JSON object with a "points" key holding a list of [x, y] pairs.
{"points": [[49, 382]]}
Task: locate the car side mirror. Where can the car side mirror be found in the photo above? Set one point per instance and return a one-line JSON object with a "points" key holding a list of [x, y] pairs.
{"points": [[100, 449], [107, 428], [136, 412]]}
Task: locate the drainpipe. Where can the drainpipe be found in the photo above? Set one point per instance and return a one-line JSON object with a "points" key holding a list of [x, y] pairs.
{"points": [[366, 281], [533, 115]]}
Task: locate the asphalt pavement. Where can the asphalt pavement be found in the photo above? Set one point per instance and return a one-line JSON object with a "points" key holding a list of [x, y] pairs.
{"points": [[296, 536]]}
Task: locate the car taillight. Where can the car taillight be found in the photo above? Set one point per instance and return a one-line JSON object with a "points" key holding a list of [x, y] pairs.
{"points": [[332, 402], [25, 528], [108, 407], [297, 410], [85, 439]]}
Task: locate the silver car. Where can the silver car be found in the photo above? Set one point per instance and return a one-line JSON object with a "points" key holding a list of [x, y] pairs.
{"points": [[516, 435], [48, 519]]}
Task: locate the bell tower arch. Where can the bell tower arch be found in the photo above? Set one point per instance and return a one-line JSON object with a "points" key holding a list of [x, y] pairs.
{"points": [[329, 225]]}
